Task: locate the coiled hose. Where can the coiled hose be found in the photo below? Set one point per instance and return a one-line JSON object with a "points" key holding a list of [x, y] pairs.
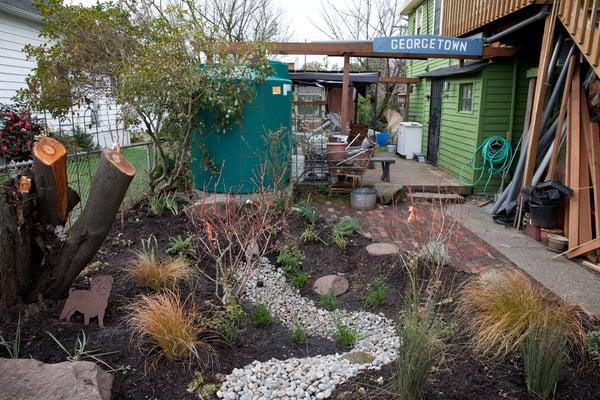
{"points": [[496, 157]]}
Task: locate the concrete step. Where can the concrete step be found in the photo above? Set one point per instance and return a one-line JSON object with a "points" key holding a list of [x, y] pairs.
{"points": [[430, 196]]}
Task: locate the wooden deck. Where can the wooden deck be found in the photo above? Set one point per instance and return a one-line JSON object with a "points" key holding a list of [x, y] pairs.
{"points": [[416, 177]]}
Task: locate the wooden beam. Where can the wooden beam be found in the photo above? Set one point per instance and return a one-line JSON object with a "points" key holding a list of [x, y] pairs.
{"points": [[398, 79], [584, 248], [540, 96], [592, 144], [574, 165], [345, 95], [358, 49]]}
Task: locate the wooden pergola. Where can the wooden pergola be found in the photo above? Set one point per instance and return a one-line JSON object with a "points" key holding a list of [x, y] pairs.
{"points": [[347, 49]]}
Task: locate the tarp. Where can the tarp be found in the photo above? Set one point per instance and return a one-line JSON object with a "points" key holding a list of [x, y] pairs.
{"points": [[360, 80]]}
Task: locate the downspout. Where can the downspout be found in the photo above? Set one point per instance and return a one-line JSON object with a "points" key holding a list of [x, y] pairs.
{"points": [[539, 16]]}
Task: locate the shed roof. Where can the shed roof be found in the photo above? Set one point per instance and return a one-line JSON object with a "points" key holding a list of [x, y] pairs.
{"points": [[21, 8], [456, 70]]}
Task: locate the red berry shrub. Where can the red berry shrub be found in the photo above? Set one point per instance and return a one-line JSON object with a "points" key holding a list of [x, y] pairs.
{"points": [[17, 131]]}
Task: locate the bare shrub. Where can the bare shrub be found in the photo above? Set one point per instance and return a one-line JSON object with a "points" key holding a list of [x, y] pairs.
{"points": [[231, 234]]}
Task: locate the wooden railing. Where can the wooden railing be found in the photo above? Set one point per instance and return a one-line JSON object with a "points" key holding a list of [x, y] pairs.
{"points": [[463, 16], [581, 18]]}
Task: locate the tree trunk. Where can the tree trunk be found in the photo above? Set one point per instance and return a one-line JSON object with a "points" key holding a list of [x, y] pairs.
{"points": [[112, 179], [50, 178], [17, 257], [33, 260]]}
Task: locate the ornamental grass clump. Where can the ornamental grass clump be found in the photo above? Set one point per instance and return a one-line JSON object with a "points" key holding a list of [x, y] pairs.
{"points": [[501, 309], [543, 353], [171, 326], [419, 349], [159, 275]]}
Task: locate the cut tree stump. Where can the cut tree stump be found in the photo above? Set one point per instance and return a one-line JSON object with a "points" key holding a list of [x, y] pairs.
{"points": [[34, 261], [50, 178]]}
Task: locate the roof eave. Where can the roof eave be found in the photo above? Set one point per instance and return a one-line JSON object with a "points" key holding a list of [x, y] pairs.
{"points": [[409, 6], [20, 13]]}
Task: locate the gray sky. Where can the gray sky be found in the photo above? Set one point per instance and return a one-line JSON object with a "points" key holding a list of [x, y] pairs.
{"points": [[299, 14]]}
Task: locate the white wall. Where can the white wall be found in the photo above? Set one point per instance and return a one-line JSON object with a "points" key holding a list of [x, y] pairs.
{"points": [[15, 33]]}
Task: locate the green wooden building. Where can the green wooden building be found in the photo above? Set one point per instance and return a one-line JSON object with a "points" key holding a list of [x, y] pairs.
{"points": [[460, 106]]}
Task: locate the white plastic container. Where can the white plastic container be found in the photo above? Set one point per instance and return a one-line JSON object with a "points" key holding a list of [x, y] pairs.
{"points": [[409, 139]]}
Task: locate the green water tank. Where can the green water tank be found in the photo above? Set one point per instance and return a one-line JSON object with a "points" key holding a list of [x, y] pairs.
{"points": [[242, 151]]}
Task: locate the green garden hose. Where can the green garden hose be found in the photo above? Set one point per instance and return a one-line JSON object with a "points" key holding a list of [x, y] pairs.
{"points": [[496, 156]]}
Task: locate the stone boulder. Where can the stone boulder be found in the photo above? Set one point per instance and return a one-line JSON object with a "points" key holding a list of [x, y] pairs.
{"points": [[26, 379]]}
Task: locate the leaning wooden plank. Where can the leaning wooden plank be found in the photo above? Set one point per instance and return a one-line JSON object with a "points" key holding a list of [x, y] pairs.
{"points": [[584, 203], [540, 95], [592, 144], [583, 249], [592, 266], [574, 160], [561, 120]]}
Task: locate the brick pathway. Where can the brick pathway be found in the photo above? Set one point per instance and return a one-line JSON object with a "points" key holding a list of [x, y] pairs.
{"points": [[395, 224]]}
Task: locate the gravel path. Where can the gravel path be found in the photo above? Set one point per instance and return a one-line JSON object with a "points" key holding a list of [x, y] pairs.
{"points": [[311, 377]]}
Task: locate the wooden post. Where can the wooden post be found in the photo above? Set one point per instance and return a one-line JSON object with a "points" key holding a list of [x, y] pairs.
{"points": [[574, 160], [540, 96], [345, 95]]}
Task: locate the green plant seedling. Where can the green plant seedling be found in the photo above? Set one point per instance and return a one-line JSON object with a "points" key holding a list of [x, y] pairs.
{"points": [[290, 257], [328, 301], [307, 211], [543, 353], [345, 335], [262, 316], [593, 346], [13, 347], [309, 234], [299, 333], [299, 279], [180, 246], [376, 293]]}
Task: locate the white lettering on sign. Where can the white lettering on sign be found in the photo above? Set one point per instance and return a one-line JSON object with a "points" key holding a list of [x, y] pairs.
{"points": [[432, 44]]}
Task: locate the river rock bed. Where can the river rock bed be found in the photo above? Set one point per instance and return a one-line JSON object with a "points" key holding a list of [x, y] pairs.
{"points": [[311, 377]]}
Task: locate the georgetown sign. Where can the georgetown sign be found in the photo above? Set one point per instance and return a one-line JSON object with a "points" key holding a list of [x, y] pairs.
{"points": [[429, 45]]}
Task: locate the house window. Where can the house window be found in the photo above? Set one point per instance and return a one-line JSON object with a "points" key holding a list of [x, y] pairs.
{"points": [[437, 17], [465, 102], [419, 20]]}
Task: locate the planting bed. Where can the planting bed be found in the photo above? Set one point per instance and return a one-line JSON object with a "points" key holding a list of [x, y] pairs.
{"points": [[459, 375]]}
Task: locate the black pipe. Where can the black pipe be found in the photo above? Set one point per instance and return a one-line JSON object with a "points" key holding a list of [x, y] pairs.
{"points": [[541, 15]]}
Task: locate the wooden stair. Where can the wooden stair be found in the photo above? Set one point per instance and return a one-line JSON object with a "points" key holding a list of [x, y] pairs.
{"points": [[581, 19]]}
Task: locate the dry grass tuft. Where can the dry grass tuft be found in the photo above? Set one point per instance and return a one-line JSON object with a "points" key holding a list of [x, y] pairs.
{"points": [[501, 308], [171, 326], [159, 275]]}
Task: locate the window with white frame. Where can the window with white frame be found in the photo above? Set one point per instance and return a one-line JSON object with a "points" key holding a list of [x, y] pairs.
{"points": [[465, 101], [419, 16], [437, 17]]}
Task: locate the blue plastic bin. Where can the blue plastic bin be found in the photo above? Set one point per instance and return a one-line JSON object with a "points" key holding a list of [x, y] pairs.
{"points": [[382, 138]]}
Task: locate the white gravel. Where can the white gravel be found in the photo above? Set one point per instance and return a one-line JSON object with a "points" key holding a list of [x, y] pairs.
{"points": [[310, 377]]}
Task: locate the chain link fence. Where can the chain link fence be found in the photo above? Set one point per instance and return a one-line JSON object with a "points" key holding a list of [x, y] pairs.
{"points": [[84, 133]]}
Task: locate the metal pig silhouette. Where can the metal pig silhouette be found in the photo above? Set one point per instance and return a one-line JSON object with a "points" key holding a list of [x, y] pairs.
{"points": [[91, 303]]}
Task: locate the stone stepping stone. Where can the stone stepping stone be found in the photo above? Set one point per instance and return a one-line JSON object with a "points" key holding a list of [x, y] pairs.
{"points": [[382, 249], [331, 283]]}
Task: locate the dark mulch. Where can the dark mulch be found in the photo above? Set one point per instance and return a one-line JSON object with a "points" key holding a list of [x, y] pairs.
{"points": [[459, 376]]}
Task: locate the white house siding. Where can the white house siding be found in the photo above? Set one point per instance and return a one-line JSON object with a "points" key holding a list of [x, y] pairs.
{"points": [[15, 33]]}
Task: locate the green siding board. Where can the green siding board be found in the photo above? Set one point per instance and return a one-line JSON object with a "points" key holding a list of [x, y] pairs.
{"points": [[462, 133]]}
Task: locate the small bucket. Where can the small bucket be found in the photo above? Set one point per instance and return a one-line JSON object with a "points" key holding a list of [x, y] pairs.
{"points": [[363, 199], [545, 216]]}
